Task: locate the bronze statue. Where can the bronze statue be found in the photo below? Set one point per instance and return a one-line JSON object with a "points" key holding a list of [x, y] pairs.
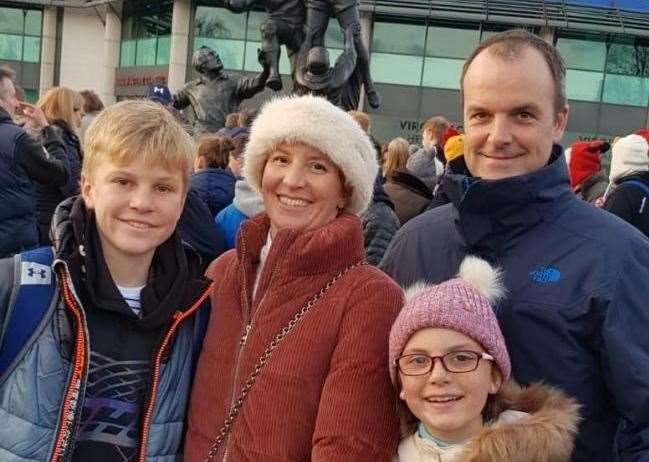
{"points": [[347, 14], [215, 94], [284, 26], [313, 74]]}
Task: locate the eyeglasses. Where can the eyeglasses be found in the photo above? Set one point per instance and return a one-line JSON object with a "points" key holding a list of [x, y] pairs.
{"points": [[454, 361]]}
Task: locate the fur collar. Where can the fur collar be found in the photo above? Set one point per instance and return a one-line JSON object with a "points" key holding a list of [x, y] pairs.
{"points": [[545, 434]]}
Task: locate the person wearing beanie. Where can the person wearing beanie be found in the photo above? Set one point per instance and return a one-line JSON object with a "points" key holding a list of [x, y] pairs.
{"points": [[628, 195], [464, 407], [297, 285], [587, 179], [454, 147]]}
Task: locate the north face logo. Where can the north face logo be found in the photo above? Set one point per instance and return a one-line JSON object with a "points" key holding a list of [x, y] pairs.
{"points": [[35, 273], [545, 275]]}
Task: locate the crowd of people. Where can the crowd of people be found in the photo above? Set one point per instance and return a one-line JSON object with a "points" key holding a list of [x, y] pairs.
{"points": [[289, 288]]}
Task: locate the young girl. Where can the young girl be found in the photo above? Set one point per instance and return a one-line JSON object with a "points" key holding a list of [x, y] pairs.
{"points": [[450, 366]]}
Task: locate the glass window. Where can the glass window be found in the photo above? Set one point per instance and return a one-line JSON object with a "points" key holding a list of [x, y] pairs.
{"points": [[627, 90], [11, 47], [127, 53], [587, 55], [334, 38], [219, 23], [32, 50], [584, 85], [11, 20], [33, 21], [398, 69], [442, 73], [447, 42], [398, 38], [164, 44], [255, 18], [31, 96], [145, 52], [628, 58]]}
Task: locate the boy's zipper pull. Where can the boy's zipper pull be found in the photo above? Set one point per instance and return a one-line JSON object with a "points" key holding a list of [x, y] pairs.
{"points": [[244, 337]]}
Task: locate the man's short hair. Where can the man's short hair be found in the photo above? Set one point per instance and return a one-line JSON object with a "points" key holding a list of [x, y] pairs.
{"points": [[5, 73], [361, 119], [137, 128], [436, 125], [91, 101], [216, 150], [510, 45]]}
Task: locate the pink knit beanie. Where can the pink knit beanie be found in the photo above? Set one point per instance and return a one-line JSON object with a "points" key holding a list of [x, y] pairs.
{"points": [[462, 304]]}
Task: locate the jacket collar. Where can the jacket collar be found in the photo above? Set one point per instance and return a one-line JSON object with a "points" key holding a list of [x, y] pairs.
{"points": [[328, 249], [5, 117], [492, 212]]}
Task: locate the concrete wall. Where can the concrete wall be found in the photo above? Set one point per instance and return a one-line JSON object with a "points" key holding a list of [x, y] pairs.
{"points": [[82, 50]]}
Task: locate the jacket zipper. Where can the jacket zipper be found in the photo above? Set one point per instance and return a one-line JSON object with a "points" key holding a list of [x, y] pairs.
{"points": [[178, 318], [244, 337], [71, 397]]}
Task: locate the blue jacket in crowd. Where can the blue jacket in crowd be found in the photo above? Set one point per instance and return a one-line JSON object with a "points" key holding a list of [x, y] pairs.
{"points": [[216, 187], [246, 204], [576, 314], [22, 161]]}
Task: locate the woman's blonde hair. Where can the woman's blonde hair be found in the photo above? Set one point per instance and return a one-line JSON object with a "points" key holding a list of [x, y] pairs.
{"points": [[135, 129], [59, 103], [395, 157]]}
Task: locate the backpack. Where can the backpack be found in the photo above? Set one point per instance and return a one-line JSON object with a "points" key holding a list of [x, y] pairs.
{"points": [[29, 301]]}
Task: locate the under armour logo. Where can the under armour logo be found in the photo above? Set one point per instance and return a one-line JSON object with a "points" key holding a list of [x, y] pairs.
{"points": [[35, 273]]}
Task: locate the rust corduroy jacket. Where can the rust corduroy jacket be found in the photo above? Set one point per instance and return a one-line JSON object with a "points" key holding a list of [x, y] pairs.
{"points": [[325, 394]]}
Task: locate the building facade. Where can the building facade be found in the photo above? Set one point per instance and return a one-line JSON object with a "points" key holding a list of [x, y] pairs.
{"points": [[417, 49]]}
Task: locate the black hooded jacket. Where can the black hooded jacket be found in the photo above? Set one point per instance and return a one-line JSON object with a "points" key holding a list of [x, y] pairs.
{"points": [[630, 202]]}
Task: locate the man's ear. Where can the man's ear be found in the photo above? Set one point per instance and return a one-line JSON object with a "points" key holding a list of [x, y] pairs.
{"points": [[560, 122], [87, 191]]}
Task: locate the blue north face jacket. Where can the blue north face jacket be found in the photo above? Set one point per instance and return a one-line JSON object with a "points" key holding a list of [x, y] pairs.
{"points": [[576, 314]]}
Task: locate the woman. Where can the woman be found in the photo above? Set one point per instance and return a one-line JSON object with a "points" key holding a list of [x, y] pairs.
{"points": [[213, 180], [408, 193], [462, 408], [324, 393], [92, 106], [64, 109]]}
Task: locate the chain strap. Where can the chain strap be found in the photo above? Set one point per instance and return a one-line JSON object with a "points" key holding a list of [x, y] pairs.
{"points": [[261, 362]]}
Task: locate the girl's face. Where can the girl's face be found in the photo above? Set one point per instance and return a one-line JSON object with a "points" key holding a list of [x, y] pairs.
{"points": [[449, 404]]}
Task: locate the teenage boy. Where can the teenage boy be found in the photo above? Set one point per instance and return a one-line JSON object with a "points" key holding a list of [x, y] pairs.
{"points": [[105, 372]]}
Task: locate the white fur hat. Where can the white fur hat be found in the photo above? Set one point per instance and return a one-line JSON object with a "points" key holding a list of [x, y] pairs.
{"points": [[314, 121], [630, 154]]}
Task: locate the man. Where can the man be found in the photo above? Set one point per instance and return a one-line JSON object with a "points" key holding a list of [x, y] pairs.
{"points": [[23, 160], [214, 94], [426, 162], [576, 313]]}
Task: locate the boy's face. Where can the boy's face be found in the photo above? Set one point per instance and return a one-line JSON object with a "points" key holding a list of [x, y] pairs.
{"points": [[136, 207]]}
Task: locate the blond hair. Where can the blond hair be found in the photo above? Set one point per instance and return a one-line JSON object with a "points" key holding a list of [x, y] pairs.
{"points": [[58, 103], [138, 128], [395, 157]]}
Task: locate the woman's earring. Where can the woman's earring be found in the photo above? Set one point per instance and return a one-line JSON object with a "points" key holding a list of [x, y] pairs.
{"points": [[402, 395]]}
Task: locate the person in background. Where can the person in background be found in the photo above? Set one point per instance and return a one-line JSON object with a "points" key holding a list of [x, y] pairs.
{"points": [[24, 161], [628, 197], [408, 193], [464, 407], [92, 106], [426, 162], [298, 271], [246, 203], [212, 179], [587, 179], [232, 129], [63, 108], [453, 152]]}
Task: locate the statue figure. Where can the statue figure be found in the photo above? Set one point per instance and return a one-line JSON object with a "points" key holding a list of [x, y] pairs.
{"points": [[284, 26], [215, 94], [346, 12], [313, 74]]}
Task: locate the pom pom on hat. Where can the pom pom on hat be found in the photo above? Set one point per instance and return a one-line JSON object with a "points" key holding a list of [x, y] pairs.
{"points": [[463, 304], [454, 147], [318, 123]]}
